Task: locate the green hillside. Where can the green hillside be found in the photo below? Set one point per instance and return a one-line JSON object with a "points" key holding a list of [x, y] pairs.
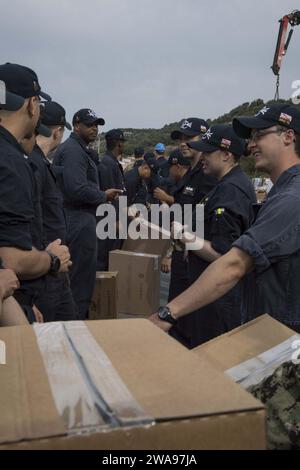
{"points": [[147, 138]]}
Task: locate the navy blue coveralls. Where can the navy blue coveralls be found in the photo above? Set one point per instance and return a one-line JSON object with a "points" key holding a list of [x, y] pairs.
{"points": [[136, 188], [273, 242], [116, 177], [162, 163], [20, 218], [191, 189], [105, 182], [79, 184], [115, 170], [55, 300], [228, 212]]}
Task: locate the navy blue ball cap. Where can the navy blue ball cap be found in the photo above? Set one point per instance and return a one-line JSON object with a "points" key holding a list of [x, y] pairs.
{"points": [[43, 130], [17, 83], [87, 116], [220, 137], [190, 127], [115, 135], [149, 156], [151, 161], [139, 152], [53, 114], [279, 114], [176, 158]]}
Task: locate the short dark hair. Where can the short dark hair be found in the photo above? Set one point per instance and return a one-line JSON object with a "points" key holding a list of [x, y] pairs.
{"points": [[236, 158], [297, 139], [297, 145]]}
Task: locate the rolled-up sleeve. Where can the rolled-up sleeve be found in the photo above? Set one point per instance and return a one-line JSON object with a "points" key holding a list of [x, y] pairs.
{"points": [[276, 232]]}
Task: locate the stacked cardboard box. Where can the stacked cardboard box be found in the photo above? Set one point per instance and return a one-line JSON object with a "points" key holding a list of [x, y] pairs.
{"points": [[138, 282], [157, 243], [104, 302]]}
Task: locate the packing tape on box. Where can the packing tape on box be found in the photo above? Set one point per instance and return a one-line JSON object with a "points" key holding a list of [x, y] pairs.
{"points": [[88, 392]]}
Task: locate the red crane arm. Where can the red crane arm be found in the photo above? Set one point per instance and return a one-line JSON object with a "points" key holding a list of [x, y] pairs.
{"points": [[293, 19]]}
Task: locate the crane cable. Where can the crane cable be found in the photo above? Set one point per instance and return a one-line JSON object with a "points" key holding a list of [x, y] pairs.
{"points": [[276, 97]]}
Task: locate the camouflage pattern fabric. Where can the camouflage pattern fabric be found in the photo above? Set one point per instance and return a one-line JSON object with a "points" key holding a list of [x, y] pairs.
{"points": [[280, 392]]}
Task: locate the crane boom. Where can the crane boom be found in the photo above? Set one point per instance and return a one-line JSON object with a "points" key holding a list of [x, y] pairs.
{"points": [[282, 45]]}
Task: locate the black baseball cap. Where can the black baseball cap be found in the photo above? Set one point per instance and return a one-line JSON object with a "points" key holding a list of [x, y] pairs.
{"points": [[277, 114], [17, 83], [87, 116], [42, 130], [139, 152], [176, 158], [150, 159], [115, 134], [190, 127], [53, 114], [220, 137], [139, 163]]}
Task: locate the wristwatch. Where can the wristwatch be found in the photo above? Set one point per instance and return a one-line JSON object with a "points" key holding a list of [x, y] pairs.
{"points": [[55, 263], [164, 314]]}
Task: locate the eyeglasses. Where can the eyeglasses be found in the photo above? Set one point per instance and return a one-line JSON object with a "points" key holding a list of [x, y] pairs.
{"points": [[256, 135]]}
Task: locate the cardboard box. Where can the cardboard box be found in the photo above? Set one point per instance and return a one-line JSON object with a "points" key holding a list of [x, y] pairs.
{"points": [[244, 343], [138, 282], [104, 302], [250, 354], [191, 405], [153, 246]]}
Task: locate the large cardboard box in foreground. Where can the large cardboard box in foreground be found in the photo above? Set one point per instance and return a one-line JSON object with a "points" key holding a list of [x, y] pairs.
{"points": [[138, 282], [104, 301], [118, 384]]}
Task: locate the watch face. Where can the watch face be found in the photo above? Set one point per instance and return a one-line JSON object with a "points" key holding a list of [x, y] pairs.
{"points": [[56, 264], [163, 313]]}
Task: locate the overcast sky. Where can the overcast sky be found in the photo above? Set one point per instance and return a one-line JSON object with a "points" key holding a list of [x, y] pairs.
{"points": [[146, 63]]}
